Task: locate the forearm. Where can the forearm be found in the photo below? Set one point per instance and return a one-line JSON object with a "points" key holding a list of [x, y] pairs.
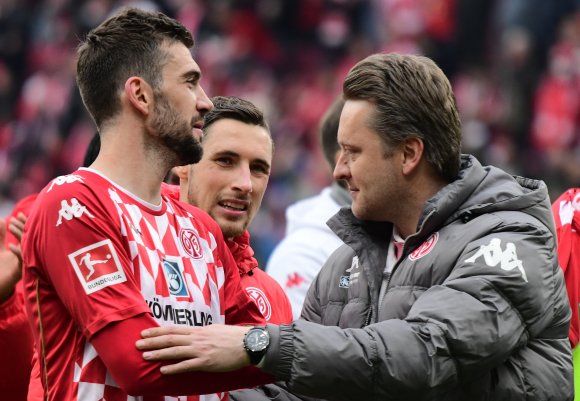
{"points": [[140, 377]]}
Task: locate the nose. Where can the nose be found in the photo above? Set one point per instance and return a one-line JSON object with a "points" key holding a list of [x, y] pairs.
{"points": [[243, 180], [341, 170], [203, 104]]}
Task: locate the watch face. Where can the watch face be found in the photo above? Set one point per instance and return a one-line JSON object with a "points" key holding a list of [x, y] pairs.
{"points": [[257, 340]]}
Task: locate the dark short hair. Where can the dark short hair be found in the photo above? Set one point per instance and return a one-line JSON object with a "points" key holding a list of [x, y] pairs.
{"points": [[329, 131], [130, 43], [235, 108], [413, 98], [92, 150]]}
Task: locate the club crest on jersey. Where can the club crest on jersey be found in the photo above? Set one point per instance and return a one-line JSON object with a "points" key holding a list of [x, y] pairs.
{"points": [[191, 243], [261, 300], [175, 279], [425, 247], [97, 266], [69, 211]]}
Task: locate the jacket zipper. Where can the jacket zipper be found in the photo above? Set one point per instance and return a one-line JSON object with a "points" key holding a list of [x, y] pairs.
{"points": [[388, 279]]}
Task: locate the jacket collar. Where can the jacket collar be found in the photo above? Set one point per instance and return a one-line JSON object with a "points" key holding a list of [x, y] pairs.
{"points": [[243, 253]]}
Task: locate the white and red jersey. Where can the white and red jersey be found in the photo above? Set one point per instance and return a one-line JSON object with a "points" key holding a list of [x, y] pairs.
{"points": [[95, 254]]}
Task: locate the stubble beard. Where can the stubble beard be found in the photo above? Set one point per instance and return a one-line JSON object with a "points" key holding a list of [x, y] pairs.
{"points": [[175, 134]]}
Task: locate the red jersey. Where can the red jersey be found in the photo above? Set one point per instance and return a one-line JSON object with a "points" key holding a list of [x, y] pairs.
{"points": [[95, 254], [15, 336], [260, 286], [566, 210]]}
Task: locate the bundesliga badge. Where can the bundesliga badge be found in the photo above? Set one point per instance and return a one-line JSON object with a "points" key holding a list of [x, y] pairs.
{"points": [[97, 266]]}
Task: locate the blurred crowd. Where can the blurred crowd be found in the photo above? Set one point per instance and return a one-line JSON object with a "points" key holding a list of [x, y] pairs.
{"points": [[514, 65]]}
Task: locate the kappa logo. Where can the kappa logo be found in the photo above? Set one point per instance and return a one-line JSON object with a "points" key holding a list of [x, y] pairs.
{"points": [[353, 275], [261, 300], [191, 243], [294, 280], [64, 179], [72, 210], [354, 265], [425, 247], [175, 280], [97, 266], [493, 255]]}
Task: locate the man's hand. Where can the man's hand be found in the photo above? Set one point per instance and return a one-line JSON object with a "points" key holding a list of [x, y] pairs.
{"points": [[10, 264], [214, 348], [16, 227]]}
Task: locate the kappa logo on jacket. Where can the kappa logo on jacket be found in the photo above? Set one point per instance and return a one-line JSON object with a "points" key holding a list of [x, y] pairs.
{"points": [[294, 280], [72, 210], [353, 271], [494, 255]]}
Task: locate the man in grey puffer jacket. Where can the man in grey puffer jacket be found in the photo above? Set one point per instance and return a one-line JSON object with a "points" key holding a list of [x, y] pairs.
{"points": [[447, 287]]}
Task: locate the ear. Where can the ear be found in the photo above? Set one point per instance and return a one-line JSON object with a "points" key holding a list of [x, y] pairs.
{"points": [[182, 172], [139, 94], [412, 154]]}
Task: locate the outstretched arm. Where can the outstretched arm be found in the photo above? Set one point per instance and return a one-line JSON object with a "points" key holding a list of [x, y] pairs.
{"points": [[214, 348], [139, 376]]}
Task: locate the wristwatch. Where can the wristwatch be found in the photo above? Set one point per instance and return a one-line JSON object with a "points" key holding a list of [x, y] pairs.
{"points": [[256, 343]]}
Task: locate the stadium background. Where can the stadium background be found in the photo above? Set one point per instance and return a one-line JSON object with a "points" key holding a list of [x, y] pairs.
{"points": [[514, 65]]}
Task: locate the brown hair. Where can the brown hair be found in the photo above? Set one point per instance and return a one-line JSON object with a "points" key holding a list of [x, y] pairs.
{"points": [[329, 130], [129, 43], [413, 98], [235, 108]]}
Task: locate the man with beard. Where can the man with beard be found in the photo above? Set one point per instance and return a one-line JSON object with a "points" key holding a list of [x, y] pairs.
{"points": [[229, 183], [105, 254]]}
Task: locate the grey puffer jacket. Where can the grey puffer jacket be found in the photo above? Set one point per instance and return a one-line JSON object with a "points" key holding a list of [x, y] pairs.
{"points": [[475, 309]]}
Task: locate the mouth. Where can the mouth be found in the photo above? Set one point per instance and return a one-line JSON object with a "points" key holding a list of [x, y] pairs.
{"points": [[234, 205], [197, 129]]}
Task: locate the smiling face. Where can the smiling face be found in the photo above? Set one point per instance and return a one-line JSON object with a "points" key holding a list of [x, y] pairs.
{"points": [[179, 106], [230, 180], [374, 178]]}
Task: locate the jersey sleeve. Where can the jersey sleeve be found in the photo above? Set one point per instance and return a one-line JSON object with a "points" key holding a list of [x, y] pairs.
{"points": [[140, 377], [73, 242]]}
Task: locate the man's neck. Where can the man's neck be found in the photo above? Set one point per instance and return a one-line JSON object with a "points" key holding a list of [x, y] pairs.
{"points": [[408, 219], [126, 161]]}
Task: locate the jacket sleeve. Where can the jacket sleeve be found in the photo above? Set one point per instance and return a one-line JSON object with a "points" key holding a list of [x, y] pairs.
{"points": [[497, 297], [268, 392]]}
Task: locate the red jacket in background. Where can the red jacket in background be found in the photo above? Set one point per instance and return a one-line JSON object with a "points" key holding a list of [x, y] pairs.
{"points": [[261, 287], [16, 340], [566, 210]]}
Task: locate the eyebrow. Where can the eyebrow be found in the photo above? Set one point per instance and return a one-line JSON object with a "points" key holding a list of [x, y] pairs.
{"points": [[192, 75]]}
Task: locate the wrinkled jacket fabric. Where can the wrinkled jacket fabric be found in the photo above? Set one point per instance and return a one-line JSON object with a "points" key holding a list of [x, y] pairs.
{"points": [[475, 309]]}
